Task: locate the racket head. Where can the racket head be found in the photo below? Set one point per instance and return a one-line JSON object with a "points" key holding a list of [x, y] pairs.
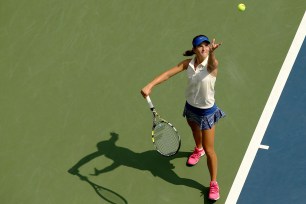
{"points": [[165, 138]]}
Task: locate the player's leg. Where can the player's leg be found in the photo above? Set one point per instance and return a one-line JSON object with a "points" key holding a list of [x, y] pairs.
{"points": [[197, 136], [196, 132], [208, 145], [212, 161]]}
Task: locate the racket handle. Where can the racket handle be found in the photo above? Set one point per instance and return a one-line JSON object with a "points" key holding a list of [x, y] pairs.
{"points": [[150, 102]]}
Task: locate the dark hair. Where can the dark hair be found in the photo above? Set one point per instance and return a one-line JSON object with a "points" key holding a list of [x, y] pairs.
{"points": [[191, 52], [188, 53]]}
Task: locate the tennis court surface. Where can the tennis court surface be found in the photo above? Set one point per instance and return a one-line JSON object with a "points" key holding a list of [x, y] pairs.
{"points": [[70, 80]]}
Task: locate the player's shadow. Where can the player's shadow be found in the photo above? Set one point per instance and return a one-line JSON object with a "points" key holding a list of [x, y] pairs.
{"points": [[158, 165]]}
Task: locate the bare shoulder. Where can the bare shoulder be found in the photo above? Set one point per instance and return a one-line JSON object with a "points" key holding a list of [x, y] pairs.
{"points": [[185, 63]]}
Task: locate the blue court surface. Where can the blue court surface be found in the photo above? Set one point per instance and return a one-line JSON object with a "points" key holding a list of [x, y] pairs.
{"points": [[274, 166], [278, 174]]}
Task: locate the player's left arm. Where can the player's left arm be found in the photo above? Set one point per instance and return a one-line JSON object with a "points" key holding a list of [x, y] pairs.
{"points": [[212, 64]]}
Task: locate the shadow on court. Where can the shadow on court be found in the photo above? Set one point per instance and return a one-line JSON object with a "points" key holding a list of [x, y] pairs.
{"points": [[105, 193], [158, 165]]}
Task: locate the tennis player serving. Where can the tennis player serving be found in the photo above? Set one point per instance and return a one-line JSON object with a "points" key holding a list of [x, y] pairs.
{"points": [[201, 111]]}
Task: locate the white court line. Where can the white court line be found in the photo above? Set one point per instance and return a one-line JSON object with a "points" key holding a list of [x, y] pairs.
{"points": [[266, 147], [267, 114]]}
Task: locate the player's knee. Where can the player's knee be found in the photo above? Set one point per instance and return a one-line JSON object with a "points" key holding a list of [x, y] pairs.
{"points": [[210, 151]]}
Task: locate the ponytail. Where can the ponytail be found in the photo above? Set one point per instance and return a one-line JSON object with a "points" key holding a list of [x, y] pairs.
{"points": [[188, 53]]}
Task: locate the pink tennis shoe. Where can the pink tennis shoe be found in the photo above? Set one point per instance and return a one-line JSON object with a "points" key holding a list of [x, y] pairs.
{"points": [[195, 156], [213, 191]]}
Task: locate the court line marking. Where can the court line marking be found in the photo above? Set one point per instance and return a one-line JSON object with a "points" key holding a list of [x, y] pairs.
{"points": [[266, 115], [266, 147]]}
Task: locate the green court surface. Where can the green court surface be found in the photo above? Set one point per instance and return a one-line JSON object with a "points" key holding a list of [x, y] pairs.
{"points": [[70, 80]]}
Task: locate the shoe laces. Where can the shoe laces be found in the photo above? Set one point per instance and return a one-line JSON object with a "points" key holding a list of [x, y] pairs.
{"points": [[214, 188], [196, 154]]}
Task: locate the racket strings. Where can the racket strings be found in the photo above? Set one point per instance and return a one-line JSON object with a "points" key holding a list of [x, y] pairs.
{"points": [[166, 139]]}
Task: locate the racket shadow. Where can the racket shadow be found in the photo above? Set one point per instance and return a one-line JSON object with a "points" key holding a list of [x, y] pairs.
{"points": [[144, 161], [105, 193]]}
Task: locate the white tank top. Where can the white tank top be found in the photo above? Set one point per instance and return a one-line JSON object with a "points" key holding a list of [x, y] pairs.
{"points": [[200, 90]]}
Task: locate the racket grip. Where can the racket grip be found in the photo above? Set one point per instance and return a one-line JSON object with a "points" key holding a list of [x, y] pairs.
{"points": [[150, 102]]}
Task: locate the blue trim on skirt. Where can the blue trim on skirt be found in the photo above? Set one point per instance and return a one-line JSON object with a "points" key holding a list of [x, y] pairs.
{"points": [[205, 118]]}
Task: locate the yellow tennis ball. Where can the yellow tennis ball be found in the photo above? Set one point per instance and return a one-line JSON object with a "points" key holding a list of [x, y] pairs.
{"points": [[241, 7]]}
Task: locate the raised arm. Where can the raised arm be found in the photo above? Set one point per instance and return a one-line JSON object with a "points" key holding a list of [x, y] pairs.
{"points": [[212, 63], [145, 91]]}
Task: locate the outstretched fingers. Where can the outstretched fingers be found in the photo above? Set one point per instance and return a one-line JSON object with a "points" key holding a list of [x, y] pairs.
{"points": [[214, 45]]}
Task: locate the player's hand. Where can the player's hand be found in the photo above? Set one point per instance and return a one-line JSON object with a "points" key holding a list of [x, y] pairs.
{"points": [[145, 91], [213, 46]]}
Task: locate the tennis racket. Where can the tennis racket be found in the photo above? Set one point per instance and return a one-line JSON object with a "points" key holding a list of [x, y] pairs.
{"points": [[165, 137]]}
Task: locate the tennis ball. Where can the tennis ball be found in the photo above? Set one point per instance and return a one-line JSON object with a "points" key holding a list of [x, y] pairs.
{"points": [[241, 7]]}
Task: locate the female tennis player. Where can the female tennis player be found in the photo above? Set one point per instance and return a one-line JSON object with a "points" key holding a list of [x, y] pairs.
{"points": [[200, 110]]}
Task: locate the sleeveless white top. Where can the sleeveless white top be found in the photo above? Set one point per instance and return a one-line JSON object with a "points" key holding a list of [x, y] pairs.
{"points": [[200, 91]]}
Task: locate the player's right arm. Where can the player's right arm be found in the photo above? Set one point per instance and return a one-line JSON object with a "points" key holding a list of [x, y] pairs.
{"points": [[145, 91]]}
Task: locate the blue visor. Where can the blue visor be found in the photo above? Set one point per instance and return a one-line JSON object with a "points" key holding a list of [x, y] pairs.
{"points": [[199, 40]]}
